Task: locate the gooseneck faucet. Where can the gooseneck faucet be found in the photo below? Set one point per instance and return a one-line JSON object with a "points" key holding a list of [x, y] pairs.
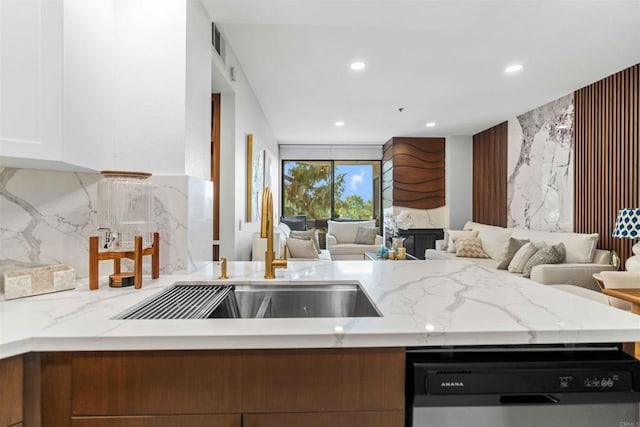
{"points": [[266, 230]]}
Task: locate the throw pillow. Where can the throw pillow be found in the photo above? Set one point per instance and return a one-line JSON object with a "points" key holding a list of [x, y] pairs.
{"points": [[455, 234], [308, 234], [301, 248], [512, 248], [470, 247], [521, 257], [494, 240], [366, 236], [548, 255]]}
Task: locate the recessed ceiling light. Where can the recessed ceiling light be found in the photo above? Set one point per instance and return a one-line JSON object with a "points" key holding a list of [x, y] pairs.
{"points": [[339, 124], [358, 65], [513, 68], [431, 124]]}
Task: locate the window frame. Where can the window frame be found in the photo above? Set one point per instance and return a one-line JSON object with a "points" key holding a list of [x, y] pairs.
{"points": [[332, 163]]}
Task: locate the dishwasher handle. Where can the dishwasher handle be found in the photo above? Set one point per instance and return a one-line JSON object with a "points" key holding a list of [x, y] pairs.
{"points": [[528, 399]]}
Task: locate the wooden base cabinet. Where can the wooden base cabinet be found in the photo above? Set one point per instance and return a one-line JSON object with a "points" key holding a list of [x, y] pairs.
{"points": [[11, 391], [310, 387], [324, 419]]}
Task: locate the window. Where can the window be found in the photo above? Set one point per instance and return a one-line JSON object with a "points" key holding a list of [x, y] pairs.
{"points": [[325, 189]]}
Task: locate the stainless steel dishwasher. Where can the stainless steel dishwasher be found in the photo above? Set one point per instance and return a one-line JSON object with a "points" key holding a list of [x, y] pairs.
{"points": [[590, 386]]}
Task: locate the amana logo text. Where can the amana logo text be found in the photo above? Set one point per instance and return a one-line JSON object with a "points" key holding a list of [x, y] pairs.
{"points": [[452, 384]]}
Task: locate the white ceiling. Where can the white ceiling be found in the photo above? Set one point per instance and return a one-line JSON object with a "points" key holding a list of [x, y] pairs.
{"points": [[442, 61]]}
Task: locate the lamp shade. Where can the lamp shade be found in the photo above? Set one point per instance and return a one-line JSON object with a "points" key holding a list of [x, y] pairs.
{"points": [[627, 224]]}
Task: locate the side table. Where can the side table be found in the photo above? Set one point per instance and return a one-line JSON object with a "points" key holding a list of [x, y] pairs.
{"points": [[631, 295]]}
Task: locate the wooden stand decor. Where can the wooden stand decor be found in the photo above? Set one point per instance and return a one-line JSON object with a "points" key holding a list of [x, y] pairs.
{"points": [[95, 256]]}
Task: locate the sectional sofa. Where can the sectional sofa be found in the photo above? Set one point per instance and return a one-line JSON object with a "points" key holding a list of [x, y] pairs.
{"points": [[582, 259]]}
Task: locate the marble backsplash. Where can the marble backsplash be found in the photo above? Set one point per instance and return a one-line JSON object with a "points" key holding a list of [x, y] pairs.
{"points": [[416, 218], [46, 217], [540, 168]]}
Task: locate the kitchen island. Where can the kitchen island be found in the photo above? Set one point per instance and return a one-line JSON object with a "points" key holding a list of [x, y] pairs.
{"points": [[431, 303], [261, 371]]}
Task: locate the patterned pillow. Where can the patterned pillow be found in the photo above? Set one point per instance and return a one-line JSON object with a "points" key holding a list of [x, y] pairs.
{"points": [[455, 234], [366, 235], [548, 255], [470, 247], [512, 248], [521, 257]]}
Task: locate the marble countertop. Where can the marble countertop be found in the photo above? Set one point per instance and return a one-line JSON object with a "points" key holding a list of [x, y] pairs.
{"points": [[431, 303]]}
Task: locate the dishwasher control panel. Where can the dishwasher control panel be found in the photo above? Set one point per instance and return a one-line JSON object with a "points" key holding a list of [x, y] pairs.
{"points": [[526, 381]]}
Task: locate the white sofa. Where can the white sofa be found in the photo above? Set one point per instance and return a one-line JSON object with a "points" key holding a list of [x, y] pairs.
{"points": [[280, 235], [341, 236], [581, 262]]}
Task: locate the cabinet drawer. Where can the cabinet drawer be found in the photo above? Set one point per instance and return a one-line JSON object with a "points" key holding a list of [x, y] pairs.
{"points": [[229, 420]]}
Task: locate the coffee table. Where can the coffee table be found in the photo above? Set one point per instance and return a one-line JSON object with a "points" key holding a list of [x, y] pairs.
{"points": [[373, 256]]}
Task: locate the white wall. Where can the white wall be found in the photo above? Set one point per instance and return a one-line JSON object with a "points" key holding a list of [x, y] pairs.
{"points": [[198, 92], [241, 114], [459, 179]]}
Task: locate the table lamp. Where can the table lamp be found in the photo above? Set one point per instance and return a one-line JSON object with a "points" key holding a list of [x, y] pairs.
{"points": [[628, 227]]}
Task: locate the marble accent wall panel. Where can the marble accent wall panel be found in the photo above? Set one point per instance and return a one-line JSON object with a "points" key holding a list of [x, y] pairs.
{"points": [[47, 217], [421, 218], [540, 168]]}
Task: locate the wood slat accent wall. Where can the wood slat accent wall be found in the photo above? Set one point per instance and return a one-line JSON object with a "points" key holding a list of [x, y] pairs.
{"points": [[414, 168], [490, 176], [387, 175], [607, 121]]}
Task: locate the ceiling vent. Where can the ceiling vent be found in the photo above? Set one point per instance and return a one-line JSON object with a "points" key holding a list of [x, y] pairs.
{"points": [[218, 42]]}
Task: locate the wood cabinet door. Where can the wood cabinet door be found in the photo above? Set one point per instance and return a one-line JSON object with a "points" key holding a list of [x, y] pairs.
{"points": [[323, 380], [324, 419], [159, 382], [227, 420], [11, 391]]}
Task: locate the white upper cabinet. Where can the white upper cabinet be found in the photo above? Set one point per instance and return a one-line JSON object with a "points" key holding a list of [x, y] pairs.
{"points": [[102, 84], [31, 82]]}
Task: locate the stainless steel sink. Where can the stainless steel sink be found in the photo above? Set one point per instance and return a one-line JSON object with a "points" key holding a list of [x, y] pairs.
{"points": [[198, 300], [280, 301]]}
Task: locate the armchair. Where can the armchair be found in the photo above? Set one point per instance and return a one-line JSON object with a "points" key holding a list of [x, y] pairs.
{"points": [[343, 235]]}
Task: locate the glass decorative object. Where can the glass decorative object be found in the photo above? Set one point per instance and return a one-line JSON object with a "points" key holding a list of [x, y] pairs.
{"points": [[124, 210], [125, 228]]}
